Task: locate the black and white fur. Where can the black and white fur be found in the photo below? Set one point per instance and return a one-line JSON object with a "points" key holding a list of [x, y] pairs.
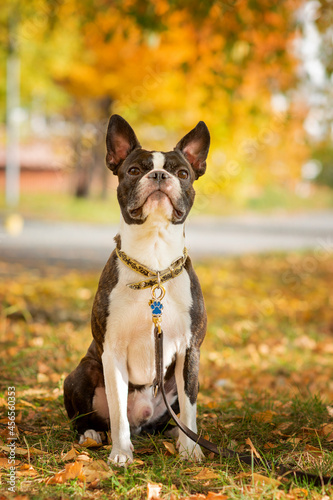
{"points": [[112, 385]]}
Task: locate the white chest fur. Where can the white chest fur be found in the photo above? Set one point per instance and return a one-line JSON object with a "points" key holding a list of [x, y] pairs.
{"points": [[130, 328]]}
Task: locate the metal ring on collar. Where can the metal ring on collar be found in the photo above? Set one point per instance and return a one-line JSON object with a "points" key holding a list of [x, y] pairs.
{"points": [[158, 287]]}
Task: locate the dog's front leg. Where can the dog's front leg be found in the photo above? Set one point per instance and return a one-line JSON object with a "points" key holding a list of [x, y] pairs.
{"points": [[187, 370], [116, 389]]}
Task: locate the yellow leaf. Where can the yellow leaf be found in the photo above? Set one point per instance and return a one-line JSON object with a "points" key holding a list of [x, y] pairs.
{"points": [[212, 404], [5, 463], [268, 446], [90, 443], [206, 473], [327, 431], [170, 447], [98, 469], [216, 496], [23, 451], [153, 490], [137, 461], [71, 471], [259, 479], [70, 455], [264, 416], [298, 492], [26, 470]]}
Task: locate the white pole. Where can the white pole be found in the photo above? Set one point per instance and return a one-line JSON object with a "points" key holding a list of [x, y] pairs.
{"points": [[12, 122]]}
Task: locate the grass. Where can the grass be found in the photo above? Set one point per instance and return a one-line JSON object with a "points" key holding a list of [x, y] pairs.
{"points": [[266, 373], [65, 207]]}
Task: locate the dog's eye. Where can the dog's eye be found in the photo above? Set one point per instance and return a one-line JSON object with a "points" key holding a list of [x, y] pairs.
{"points": [[134, 171], [182, 174]]}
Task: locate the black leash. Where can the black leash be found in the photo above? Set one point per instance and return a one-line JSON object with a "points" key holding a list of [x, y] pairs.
{"points": [[281, 470]]}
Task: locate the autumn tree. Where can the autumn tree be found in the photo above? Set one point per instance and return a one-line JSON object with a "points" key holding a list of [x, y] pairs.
{"points": [[165, 65]]}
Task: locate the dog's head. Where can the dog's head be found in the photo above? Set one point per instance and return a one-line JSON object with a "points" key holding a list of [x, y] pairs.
{"points": [[152, 182]]}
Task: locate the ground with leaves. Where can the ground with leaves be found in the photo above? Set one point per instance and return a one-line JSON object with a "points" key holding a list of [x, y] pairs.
{"points": [[266, 384]]}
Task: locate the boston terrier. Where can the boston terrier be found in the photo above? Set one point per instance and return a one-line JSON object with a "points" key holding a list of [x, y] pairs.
{"points": [[113, 386]]}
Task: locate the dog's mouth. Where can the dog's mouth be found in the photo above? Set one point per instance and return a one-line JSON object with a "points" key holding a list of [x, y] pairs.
{"points": [[137, 212]]}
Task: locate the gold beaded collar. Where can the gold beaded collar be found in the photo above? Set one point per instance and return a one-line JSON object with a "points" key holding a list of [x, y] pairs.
{"points": [[154, 277]]}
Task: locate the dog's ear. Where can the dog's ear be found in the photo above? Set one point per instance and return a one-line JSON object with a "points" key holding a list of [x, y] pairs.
{"points": [[195, 146], [120, 141]]}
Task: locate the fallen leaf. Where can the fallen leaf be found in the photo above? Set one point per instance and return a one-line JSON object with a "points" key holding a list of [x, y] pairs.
{"points": [[313, 450], [294, 440], [259, 478], [93, 485], [284, 426], [216, 496], [327, 431], [298, 492], [253, 449], [83, 457], [26, 470], [269, 446], [23, 451], [206, 473], [212, 404], [170, 447], [5, 464], [71, 471], [153, 490], [98, 469], [70, 455], [143, 451], [139, 462], [26, 403], [264, 416], [309, 430], [90, 443]]}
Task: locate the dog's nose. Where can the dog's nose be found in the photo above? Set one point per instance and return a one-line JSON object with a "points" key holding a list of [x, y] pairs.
{"points": [[158, 175]]}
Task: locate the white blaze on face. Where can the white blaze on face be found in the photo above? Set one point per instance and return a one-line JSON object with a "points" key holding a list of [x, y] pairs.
{"points": [[158, 160]]}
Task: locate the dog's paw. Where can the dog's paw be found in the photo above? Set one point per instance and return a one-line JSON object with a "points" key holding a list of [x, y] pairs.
{"points": [[190, 451], [121, 458], [91, 434]]}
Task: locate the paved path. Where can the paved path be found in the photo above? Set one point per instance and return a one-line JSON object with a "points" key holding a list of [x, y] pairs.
{"points": [[84, 245]]}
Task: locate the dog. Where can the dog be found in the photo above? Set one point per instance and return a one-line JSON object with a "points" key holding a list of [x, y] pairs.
{"points": [[113, 385]]}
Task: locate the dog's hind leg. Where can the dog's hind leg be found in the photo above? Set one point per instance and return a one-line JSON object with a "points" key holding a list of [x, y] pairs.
{"points": [[83, 397]]}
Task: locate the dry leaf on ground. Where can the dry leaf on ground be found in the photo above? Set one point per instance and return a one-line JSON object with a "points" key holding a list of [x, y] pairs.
{"points": [[216, 496], [70, 455], [205, 474], [264, 416], [327, 431], [26, 470], [5, 463], [98, 469], [89, 443], [71, 471], [259, 479], [23, 451], [170, 447], [153, 490]]}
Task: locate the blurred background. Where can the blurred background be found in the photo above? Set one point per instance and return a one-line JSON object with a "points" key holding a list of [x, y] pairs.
{"points": [[258, 72]]}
